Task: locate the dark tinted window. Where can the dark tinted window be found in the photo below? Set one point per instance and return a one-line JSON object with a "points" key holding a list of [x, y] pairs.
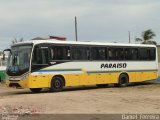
{"points": [[60, 52], [98, 53], [143, 54], [80, 53], [131, 54], [115, 54], [40, 55], [147, 53], [151, 53], [101, 53]]}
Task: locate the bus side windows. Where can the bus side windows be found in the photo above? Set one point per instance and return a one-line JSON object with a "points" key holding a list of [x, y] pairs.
{"points": [[36, 59], [98, 53], [151, 53], [45, 56], [143, 55], [101, 53], [119, 53], [80, 53], [147, 54], [60, 53], [40, 55], [109, 54], [139, 53], [126, 54], [115, 54], [134, 54], [131, 54]]}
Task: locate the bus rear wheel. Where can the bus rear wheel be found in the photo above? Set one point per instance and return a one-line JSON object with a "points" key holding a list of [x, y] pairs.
{"points": [[123, 81], [35, 90], [57, 84]]}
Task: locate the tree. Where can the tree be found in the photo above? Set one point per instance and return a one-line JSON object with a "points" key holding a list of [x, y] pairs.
{"points": [[138, 39], [147, 37]]}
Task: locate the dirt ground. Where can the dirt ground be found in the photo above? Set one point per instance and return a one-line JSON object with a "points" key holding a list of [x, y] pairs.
{"points": [[141, 98]]}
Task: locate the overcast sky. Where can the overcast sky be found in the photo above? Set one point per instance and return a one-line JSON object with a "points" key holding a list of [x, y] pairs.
{"points": [[98, 20]]}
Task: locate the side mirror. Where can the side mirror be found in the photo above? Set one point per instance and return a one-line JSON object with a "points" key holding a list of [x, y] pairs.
{"points": [[3, 58], [9, 50]]}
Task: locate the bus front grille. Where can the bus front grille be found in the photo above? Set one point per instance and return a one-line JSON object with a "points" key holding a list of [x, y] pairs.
{"points": [[14, 85]]}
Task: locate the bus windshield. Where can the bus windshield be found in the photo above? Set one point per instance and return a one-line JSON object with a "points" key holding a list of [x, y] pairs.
{"points": [[19, 60]]}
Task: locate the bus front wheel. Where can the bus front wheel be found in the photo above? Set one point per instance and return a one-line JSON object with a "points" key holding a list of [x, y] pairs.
{"points": [[123, 81], [57, 84], [35, 90]]}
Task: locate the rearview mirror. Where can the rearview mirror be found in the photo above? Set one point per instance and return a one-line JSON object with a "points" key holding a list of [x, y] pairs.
{"points": [[6, 50]]}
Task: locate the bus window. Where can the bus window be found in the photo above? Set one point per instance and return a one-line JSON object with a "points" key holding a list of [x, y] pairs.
{"points": [[119, 54], [60, 53], [127, 54], [115, 54], [98, 53], [131, 54], [40, 55], [80, 53], [109, 54], [135, 54], [151, 54], [36, 56], [143, 54]]}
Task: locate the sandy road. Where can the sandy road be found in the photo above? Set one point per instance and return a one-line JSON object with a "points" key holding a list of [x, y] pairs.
{"points": [[133, 99]]}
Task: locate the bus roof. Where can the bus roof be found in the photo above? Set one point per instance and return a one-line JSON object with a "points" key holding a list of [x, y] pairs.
{"points": [[81, 43]]}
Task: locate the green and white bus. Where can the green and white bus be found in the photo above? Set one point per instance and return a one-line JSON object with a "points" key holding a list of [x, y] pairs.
{"points": [[3, 64]]}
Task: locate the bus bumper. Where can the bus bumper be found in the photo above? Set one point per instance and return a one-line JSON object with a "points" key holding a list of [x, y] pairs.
{"points": [[17, 84]]}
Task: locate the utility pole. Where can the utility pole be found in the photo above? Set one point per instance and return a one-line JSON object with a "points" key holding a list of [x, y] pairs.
{"points": [[129, 36], [76, 28]]}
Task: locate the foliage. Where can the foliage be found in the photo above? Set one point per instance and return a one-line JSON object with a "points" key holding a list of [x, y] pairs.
{"points": [[147, 37]]}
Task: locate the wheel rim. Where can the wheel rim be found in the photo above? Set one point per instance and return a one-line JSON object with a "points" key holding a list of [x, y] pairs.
{"points": [[123, 80], [57, 84]]}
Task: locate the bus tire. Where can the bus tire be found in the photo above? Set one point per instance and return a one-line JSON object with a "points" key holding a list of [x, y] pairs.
{"points": [[123, 80], [57, 84], [102, 85], [35, 90]]}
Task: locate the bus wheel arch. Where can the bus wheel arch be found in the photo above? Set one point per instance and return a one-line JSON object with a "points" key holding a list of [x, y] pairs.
{"points": [[123, 80], [57, 83]]}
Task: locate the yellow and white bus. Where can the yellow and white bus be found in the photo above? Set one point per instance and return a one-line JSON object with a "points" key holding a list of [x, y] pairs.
{"points": [[53, 64]]}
